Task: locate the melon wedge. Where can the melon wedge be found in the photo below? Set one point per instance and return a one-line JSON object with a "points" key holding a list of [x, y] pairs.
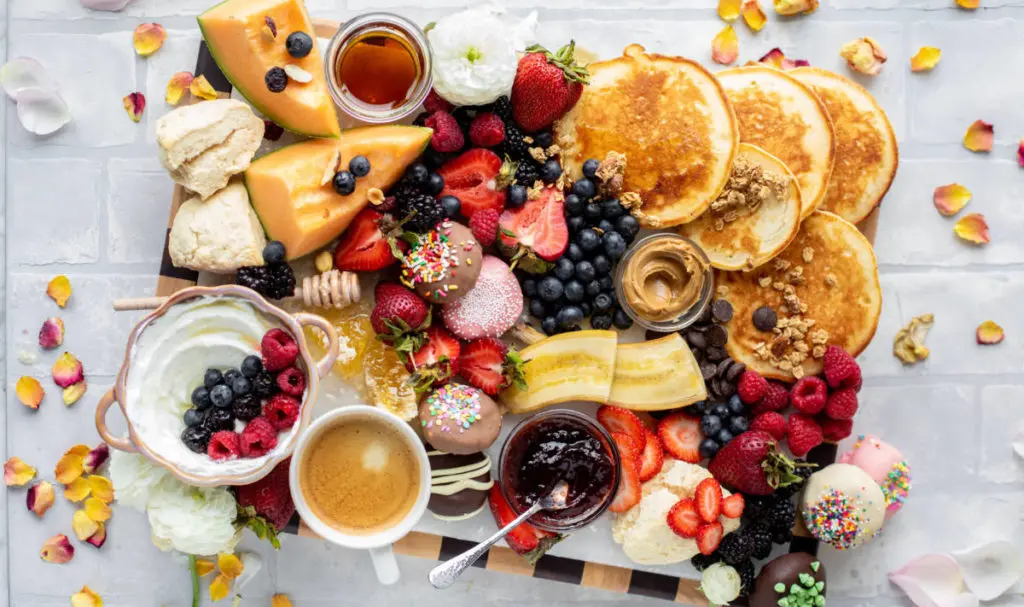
{"points": [[567, 367], [294, 207], [656, 375], [233, 31]]}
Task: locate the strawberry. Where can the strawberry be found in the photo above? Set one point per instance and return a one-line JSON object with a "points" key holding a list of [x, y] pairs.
{"points": [[490, 365], [680, 435], [616, 419], [732, 506], [752, 463], [652, 458], [683, 519], [399, 316], [629, 492], [526, 540], [435, 361], [535, 230], [841, 370], [270, 497], [629, 448], [363, 246], [708, 497], [546, 86], [709, 536], [804, 434], [471, 177]]}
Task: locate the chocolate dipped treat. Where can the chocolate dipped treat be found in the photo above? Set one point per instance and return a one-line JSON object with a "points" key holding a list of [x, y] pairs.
{"points": [[458, 484], [791, 580], [445, 263], [459, 419]]}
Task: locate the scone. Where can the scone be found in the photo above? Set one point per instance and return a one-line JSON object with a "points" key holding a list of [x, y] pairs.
{"points": [[219, 235]]}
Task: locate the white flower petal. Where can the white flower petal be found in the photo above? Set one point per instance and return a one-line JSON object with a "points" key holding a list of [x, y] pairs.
{"points": [[134, 477], [475, 57], [42, 111], [23, 73], [106, 5], [252, 562], [990, 569], [192, 520], [933, 580], [524, 32]]}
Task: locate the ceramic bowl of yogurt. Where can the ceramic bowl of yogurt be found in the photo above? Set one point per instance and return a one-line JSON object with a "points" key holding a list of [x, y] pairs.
{"points": [[168, 352]]}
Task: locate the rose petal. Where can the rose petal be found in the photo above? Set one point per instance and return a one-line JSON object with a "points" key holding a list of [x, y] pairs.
{"points": [[77, 490], [79, 450], [1020, 153], [86, 597], [69, 466], [968, 4], [59, 290], [42, 111], [1018, 444], [949, 199], [991, 569], [95, 459], [989, 333], [99, 538], [23, 73], [178, 87], [97, 510], [67, 370], [777, 58], [135, 105], [30, 391], [106, 5], [57, 549], [280, 600], [219, 587], [204, 567], [753, 16], [729, 10], [51, 334], [795, 7], [148, 38], [40, 498], [101, 488], [925, 59], [864, 55], [229, 565], [83, 526], [74, 392], [973, 228], [17, 473], [979, 136], [932, 580], [202, 89], [725, 48]]}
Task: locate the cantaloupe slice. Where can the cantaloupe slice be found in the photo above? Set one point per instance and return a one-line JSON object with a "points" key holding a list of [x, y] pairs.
{"points": [[294, 207], [233, 31], [656, 375]]}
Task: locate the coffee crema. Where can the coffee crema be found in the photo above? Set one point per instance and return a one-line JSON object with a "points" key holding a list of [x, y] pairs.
{"points": [[360, 476]]}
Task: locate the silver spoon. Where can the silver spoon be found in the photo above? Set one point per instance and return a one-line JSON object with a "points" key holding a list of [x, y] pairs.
{"points": [[445, 574]]}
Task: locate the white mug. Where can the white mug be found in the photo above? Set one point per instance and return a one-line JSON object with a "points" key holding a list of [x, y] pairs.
{"points": [[379, 544]]}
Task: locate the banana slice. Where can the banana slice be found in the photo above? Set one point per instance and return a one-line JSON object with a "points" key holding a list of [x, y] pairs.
{"points": [[656, 375]]}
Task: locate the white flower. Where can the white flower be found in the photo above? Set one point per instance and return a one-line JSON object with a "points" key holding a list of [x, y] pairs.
{"points": [[193, 520], [720, 583], [475, 57], [134, 477]]}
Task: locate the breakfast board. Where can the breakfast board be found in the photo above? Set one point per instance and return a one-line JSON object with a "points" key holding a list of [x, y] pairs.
{"points": [[572, 562]]}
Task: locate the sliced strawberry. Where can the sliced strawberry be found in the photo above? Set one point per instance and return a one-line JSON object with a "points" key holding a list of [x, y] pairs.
{"points": [[732, 506], [629, 492], [709, 537], [680, 435], [436, 360], [488, 364], [616, 419], [525, 539], [629, 448], [653, 456], [683, 518], [471, 177], [537, 227], [363, 247], [708, 497]]}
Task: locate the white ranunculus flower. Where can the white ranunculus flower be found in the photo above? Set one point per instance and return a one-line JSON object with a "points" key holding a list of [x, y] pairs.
{"points": [[721, 584], [475, 57], [193, 520], [134, 477]]}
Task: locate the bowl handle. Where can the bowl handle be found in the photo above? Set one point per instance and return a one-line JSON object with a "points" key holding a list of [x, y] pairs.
{"points": [[121, 444], [323, 367]]}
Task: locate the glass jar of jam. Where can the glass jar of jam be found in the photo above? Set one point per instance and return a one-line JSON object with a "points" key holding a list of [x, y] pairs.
{"points": [[378, 67], [556, 445]]}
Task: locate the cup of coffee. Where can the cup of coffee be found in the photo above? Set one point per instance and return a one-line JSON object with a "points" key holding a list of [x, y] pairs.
{"points": [[360, 478]]}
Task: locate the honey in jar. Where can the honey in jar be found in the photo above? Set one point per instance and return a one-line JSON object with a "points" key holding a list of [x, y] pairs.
{"points": [[378, 69]]}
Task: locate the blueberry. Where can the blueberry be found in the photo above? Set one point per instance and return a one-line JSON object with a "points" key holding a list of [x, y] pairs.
{"points": [[736, 406], [212, 377], [359, 166], [603, 302], [344, 183], [627, 226], [515, 196], [241, 385], [612, 208], [605, 226], [549, 325], [739, 424], [530, 287], [434, 185], [543, 139], [569, 316], [251, 366], [590, 168], [622, 320], [586, 308], [550, 289], [221, 396], [614, 245], [452, 206], [585, 271], [593, 288], [721, 410], [592, 213], [201, 398], [576, 224], [724, 437], [538, 309], [231, 375], [607, 283], [276, 79], [193, 417], [274, 252], [434, 159], [708, 448], [602, 265], [710, 424], [574, 252], [574, 291], [589, 239], [700, 406], [601, 321], [584, 188], [564, 269], [299, 44], [418, 174], [550, 171], [573, 205]]}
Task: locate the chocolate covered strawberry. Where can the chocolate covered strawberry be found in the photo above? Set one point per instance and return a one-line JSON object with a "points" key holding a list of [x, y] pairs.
{"points": [[753, 464], [399, 317], [547, 85]]}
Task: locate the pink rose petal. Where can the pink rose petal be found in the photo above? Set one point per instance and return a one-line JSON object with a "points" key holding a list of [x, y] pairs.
{"points": [[933, 580]]}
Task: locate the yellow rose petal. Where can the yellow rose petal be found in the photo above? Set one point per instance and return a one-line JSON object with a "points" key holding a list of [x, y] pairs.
{"points": [[77, 490], [949, 199], [230, 565], [725, 48], [729, 10], [69, 467], [83, 526], [204, 567], [178, 87], [59, 290], [30, 391], [57, 550], [280, 600], [219, 587], [101, 487], [925, 59], [86, 597], [979, 136], [989, 333], [99, 538], [97, 510], [794, 7], [67, 371], [864, 55], [74, 392], [973, 228], [40, 498], [968, 4], [202, 89], [148, 38], [753, 16], [17, 473]]}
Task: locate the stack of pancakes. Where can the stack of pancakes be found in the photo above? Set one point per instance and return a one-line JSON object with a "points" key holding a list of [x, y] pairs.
{"points": [[798, 251]]}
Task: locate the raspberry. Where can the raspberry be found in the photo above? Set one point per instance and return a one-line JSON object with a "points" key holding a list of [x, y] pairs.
{"points": [[448, 136], [258, 438], [771, 422], [278, 349], [842, 404], [291, 381], [282, 411], [809, 395], [841, 370], [751, 387], [776, 398], [484, 225], [224, 445], [835, 430], [804, 434], [436, 103], [487, 130]]}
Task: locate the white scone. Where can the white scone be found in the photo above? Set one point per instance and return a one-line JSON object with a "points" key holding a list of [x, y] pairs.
{"points": [[220, 234], [643, 530], [205, 144]]}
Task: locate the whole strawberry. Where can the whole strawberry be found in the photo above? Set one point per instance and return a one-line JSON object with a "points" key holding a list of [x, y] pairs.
{"points": [[269, 499], [753, 464], [399, 316], [547, 85]]}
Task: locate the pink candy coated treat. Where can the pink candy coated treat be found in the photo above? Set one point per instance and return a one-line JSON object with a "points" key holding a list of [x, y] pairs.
{"points": [[885, 464], [490, 308]]}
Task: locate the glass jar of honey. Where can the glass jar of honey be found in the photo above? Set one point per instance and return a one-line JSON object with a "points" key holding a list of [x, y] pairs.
{"points": [[378, 67]]}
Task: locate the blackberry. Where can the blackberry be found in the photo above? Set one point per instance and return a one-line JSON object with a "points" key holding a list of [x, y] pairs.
{"points": [[804, 472], [218, 419], [503, 108], [761, 537], [782, 536], [274, 281], [246, 407], [256, 278], [429, 212], [527, 173], [782, 516], [264, 385], [514, 146], [756, 507], [196, 438], [736, 548], [701, 562], [747, 577]]}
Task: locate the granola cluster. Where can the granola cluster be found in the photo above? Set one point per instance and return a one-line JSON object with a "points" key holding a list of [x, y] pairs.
{"points": [[748, 187]]}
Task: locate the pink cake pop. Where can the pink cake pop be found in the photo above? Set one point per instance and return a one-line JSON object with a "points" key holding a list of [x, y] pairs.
{"points": [[885, 464], [490, 308]]}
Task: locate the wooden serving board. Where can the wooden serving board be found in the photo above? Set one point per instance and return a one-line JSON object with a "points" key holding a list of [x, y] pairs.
{"points": [[438, 547]]}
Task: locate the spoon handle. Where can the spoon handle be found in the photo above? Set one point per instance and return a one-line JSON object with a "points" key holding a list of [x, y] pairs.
{"points": [[445, 574]]}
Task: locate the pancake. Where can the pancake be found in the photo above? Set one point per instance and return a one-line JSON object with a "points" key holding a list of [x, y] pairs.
{"points": [[758, 234], [671, 119], [866, 150], [838, 283], [781, 115]]}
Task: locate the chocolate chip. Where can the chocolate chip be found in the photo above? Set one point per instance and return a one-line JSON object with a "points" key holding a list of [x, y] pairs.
{"points": [[705, 316], [652, 335], [735, 371], [715, 354], [717, 336], [765, 319], [726, 389], [697, 340], [721, 310], [723, 367], [707, 370], [716, 387]]}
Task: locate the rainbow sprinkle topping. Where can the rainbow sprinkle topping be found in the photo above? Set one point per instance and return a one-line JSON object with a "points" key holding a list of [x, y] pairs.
{"points": [[896, 486], [453, 406], [835, 519], [431, 259]]}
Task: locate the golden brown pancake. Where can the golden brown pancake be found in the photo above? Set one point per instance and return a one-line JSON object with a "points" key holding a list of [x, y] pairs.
{"points": [[830, 267], [671, 119], [781, 115], [866, 150]]}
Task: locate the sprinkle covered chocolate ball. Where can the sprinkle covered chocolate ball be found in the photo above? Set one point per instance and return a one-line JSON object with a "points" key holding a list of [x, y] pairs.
{"points": [[445, 263], [459, 419], [843, 506]]}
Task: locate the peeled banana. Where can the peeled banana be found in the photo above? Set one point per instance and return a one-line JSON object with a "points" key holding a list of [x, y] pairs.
{"points": [[655, 375]]}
